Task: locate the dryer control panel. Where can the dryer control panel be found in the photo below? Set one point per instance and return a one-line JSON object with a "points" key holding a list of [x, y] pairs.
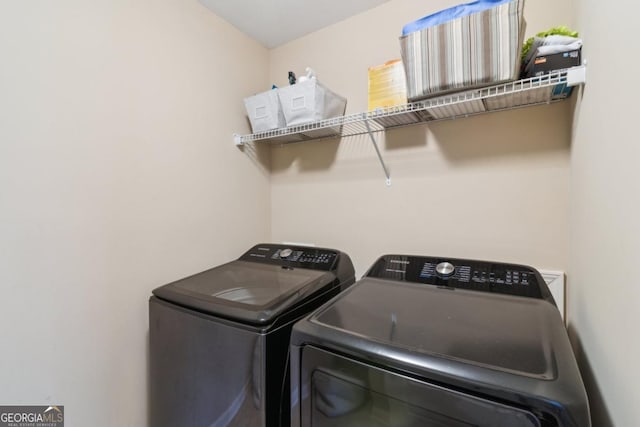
{"points": [[485, 276], [292, 256]]}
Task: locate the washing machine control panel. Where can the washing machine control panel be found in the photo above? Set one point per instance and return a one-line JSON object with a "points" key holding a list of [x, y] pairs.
{"points": [[474, 275], [292, 256]]}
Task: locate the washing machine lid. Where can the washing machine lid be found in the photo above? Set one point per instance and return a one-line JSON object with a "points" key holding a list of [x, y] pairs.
{"points": [[481, 330], [263, 284]]}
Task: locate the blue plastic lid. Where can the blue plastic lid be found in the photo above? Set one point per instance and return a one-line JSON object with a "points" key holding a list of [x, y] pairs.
{"points": [[452, 13]]}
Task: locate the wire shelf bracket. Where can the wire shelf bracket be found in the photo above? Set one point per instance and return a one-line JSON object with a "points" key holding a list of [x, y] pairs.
{"points": [[375, 145]]}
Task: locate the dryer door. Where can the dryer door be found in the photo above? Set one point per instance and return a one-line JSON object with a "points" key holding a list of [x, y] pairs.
{"points": [[337, 391]]}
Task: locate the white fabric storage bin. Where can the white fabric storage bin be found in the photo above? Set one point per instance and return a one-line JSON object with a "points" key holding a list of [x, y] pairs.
{"points": [[264, 111], [310, 101]]}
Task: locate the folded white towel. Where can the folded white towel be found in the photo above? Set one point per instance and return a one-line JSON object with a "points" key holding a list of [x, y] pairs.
{"points": [[558, 44]]}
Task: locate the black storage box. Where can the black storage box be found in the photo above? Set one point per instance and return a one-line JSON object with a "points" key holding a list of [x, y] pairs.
{"points": [[542, 65]]}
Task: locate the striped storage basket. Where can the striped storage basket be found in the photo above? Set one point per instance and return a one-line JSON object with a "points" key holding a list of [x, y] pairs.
{"points": [[471, 51]]}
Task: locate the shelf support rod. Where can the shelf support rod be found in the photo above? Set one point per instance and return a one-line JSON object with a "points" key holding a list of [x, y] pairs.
{"points": [[375, 145]]}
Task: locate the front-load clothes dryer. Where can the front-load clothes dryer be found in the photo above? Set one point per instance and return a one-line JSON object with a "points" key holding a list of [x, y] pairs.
{"points": [[424, 341], [219, 340]]}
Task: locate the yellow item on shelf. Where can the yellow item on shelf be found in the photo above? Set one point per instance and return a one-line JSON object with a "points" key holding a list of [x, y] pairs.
{"points": [[387, 85]]}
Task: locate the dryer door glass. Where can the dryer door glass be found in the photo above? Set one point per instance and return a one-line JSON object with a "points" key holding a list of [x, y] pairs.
{"points": [[345, 392]]}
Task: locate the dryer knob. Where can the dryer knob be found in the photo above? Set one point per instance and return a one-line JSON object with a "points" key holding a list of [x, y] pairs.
{"points": [[285, 253], [445, 269]]}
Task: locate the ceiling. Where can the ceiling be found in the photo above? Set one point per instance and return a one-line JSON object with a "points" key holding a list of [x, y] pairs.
{"points": [[275, 22]]}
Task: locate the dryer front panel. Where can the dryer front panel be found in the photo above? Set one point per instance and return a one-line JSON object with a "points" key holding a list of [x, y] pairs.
{"points": [[338, 391]]}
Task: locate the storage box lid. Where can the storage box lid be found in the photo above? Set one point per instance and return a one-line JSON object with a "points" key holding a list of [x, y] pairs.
{"points": [[451, 13]]}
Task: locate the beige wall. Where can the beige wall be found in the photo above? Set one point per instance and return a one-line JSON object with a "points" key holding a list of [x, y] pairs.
{"points": [[493, 186], [604, 298], [117, 174]]}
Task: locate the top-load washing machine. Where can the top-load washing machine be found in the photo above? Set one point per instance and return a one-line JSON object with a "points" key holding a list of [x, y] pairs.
{"points": [[219, 340], [424, 341]]}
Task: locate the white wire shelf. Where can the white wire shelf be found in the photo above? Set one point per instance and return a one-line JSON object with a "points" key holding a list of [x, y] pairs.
{"points": [[546, 89]]}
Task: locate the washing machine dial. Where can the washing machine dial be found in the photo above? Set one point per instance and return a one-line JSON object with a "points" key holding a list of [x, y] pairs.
{"points": [[445, 269], [285, 253]]}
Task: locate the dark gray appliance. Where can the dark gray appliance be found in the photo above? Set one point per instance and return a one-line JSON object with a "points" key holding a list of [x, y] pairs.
{"points": [[423, 341], [219, 340]]}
